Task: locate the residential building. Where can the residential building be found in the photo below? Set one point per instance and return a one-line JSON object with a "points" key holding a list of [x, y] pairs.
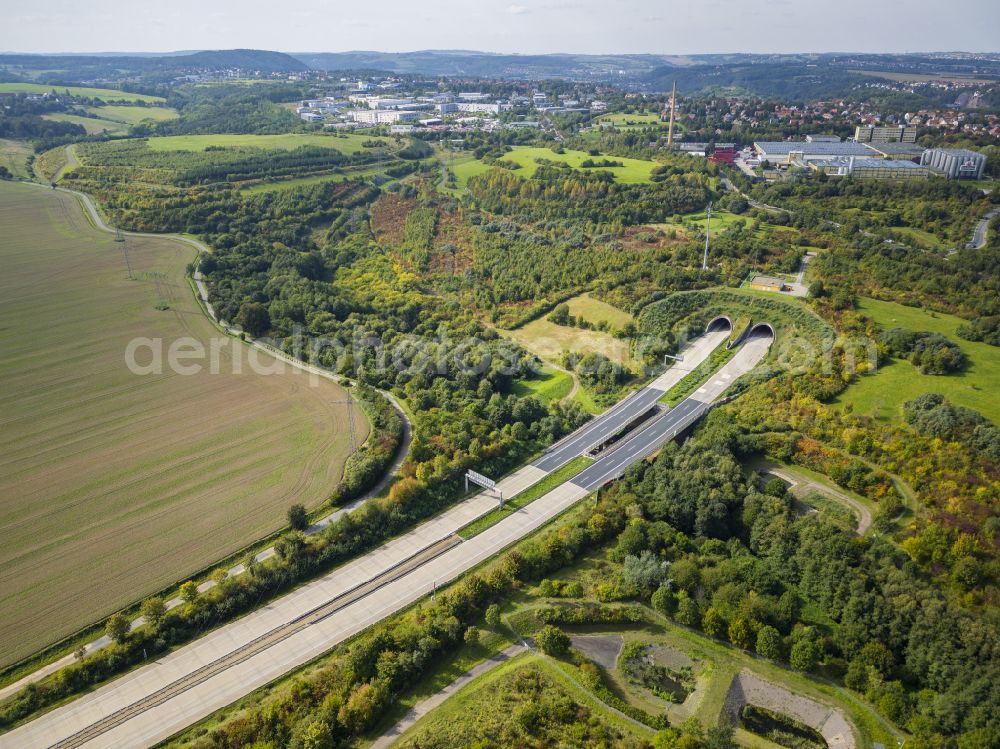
{"points": [[885, 134], [954, 163]]}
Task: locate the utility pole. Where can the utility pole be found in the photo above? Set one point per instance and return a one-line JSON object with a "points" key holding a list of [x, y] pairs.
{"points": [[708, 229], [673, 106]]}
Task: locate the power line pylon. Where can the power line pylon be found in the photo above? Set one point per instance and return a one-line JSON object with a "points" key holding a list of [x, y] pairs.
{"points": [[119, 237], [349, 402]]}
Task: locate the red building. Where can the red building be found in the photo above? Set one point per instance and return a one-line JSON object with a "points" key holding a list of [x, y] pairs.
{"points": [[724, 153]]}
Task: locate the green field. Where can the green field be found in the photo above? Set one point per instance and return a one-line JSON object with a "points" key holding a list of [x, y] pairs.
{"points": [[289, 141], [107, 94], [14, 155], [633, 171], [594, 311], [134, 115], [883, 394], [551, 385], [135, 481], [548, 341], [92, 125], [921, 237]]}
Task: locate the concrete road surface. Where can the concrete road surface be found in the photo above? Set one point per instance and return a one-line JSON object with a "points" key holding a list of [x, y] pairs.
{"points": [[156, 701]]}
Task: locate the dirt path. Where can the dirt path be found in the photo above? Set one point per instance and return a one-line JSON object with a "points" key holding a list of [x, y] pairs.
{"points": [[800, 484], [421, 709]]}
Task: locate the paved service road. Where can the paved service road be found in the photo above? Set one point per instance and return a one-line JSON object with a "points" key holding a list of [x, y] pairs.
{"points": [[979, 234], [155, 702]]}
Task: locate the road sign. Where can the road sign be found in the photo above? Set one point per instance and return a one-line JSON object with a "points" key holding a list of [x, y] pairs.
{"points": [[480, 480]]}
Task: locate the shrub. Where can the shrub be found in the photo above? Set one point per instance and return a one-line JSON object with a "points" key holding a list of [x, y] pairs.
{"points": [[552, 641]]}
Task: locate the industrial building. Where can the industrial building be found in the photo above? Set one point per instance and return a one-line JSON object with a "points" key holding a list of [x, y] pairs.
{"points": [[724, 153], [954, 163], [908, 151], [383, 116], [479, 106], [870, 168], [787, 152], [885, 134]]}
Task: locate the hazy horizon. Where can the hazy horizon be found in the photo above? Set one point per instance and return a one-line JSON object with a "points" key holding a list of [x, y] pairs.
{"points": [[665, 27]]}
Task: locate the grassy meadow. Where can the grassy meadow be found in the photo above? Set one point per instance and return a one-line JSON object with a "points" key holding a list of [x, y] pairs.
{"points": [[344, 143], [883, 394], [107, 94], [14, 155], [116, 485], [134, 115], [93, 125], [594, 311], [551, 384], [547, 340], [633, 171]]}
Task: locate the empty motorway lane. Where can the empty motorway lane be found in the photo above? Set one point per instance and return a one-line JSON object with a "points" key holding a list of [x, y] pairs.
{"points": [[157, 701]]}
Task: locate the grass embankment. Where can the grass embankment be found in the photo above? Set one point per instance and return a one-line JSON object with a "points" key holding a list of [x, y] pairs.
{"points": [[696, 377], [526, 497], [718, 664], [483, 708], [882, 394], [550, 385], [136, 480]]}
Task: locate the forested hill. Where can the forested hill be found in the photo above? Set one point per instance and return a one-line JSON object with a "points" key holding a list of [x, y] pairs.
{"points": [[787, 80], [485, 64], [88, 67]]}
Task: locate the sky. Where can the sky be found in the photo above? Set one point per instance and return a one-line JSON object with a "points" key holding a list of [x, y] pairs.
{"points": [[519, 26]]}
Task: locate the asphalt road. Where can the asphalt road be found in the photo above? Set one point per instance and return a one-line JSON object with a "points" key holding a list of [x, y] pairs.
{"points": [[153, 703], [632, 406], [682, 416], [979, 234]]}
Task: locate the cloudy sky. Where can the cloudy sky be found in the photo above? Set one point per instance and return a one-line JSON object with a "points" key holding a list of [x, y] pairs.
{"points": [[529, 26]]}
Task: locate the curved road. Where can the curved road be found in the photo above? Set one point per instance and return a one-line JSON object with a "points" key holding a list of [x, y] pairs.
{"points": [[979, 233], [401, 453]]}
